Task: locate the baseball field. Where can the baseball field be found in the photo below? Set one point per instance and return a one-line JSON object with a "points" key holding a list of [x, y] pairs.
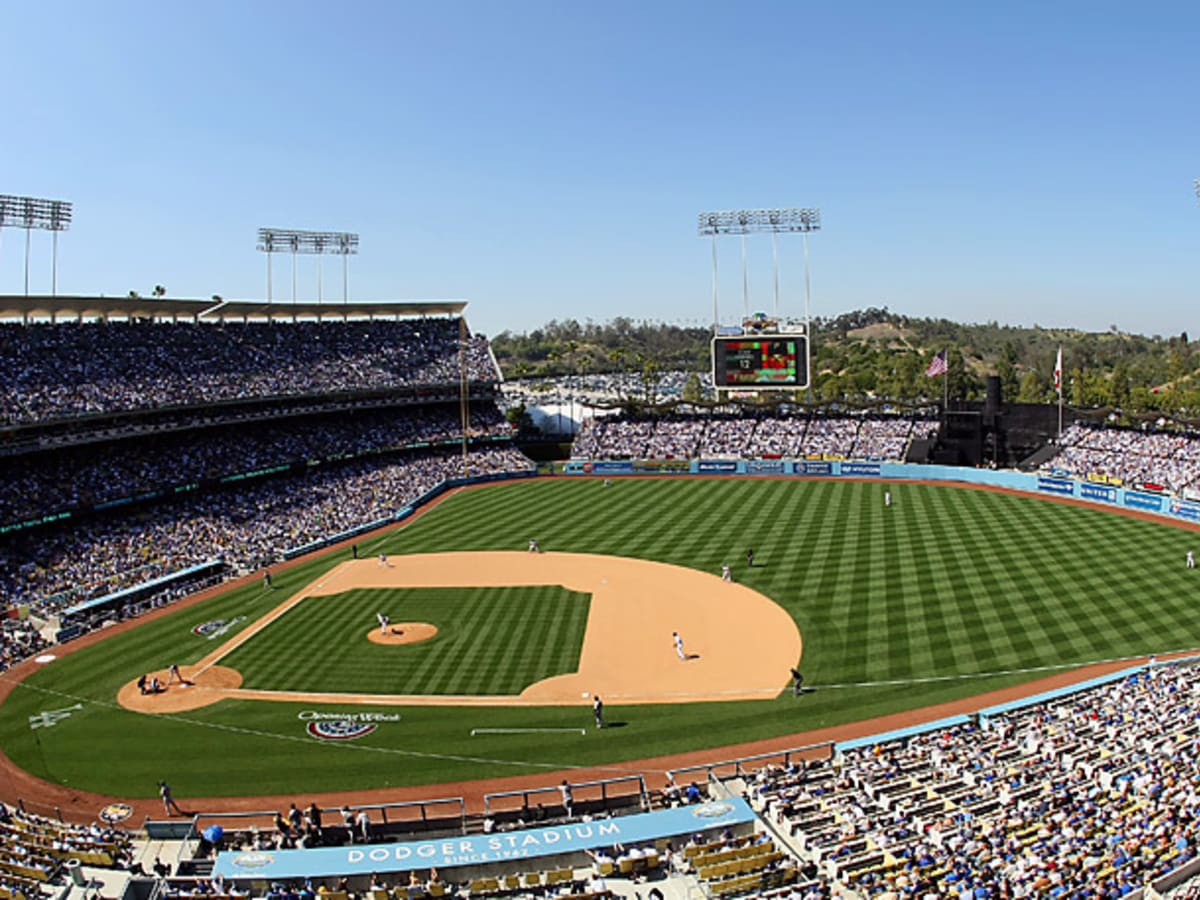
{"points": [[947, 593]]}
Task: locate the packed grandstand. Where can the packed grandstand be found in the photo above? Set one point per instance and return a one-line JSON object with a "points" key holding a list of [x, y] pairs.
{"points": [[138, 450], [1079, 793]]}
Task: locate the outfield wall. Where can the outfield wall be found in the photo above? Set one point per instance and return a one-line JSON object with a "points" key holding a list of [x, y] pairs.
{"points": [[1059, 486]]}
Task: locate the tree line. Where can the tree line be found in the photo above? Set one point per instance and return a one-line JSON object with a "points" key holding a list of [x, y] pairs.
{"points": [[875, 354]]}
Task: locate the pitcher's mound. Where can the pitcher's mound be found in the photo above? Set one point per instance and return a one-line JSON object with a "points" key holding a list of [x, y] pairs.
{"points": [[402, 633]]}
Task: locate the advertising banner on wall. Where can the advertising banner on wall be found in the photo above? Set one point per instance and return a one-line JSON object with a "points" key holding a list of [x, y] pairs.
{"points": [[861, 469], [764, 467], [812, 467], [1056, 486], [1148, 502], [709, 466], [1185, 510], [1102, 492], [662, 466]]}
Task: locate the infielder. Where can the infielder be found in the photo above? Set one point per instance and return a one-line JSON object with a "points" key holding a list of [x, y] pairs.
{"points": [[678, 645]]}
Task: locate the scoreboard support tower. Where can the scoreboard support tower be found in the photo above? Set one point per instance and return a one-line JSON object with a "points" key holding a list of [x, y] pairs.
{"points": [[761, 354]]}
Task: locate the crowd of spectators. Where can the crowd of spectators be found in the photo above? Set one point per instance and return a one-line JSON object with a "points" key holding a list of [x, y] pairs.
{"points": [[33, 850], [36, 484], [1087, 796], [19, 639], [605, 388], [1129, 457], [747, 437], [53, 371], [245, 524]]}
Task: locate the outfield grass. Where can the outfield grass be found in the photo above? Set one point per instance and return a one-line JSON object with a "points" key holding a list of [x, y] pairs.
{"points": [[948, 593], [489, 641]]}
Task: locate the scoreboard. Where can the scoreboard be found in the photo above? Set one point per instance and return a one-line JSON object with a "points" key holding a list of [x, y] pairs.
{"points": [[760, 362]]}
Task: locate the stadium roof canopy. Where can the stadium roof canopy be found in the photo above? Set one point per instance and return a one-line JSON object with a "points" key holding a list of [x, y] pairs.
{"points": [[167, 308]]}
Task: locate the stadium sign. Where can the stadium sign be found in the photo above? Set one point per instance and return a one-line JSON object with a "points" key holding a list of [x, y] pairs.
{"points": [[1148, 502], [663, 466], [1056, 486], [1102, 492], [764, 467], [870, 470], [812, 468], [706, 466], [611, 466], [1189, 511], [115, 812], [466, 850]]}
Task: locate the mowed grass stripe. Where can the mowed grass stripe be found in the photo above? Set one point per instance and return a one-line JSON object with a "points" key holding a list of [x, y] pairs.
{"points": [[490, 641], [965, 582]]}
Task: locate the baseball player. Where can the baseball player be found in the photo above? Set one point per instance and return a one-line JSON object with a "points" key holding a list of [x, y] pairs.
{"points": [[675, 636], [726, 573]]}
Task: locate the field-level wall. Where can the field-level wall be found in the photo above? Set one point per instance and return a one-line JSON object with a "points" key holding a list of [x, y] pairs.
{"points": [[1098, 492]]}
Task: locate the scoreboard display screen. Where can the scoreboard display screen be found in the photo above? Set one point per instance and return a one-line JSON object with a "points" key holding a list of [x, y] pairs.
{"points": [[754, 363]]}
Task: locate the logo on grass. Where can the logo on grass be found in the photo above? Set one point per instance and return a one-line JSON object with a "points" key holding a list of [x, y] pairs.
{"points": [[339, 729], [116, 812], [52, 717], [713, 810], [253, 860], [216, 627]]}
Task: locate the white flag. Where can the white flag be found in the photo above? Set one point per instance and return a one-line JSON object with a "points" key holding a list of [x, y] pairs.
{"points": [[1058, 372]]}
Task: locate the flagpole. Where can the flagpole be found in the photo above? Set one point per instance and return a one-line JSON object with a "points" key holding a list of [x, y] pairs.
{"points": [[1060, 392], [1058, 379], [946, 375]]}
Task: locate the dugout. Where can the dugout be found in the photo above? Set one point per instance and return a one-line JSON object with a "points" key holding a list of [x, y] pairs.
{"points": [[81, 617]]}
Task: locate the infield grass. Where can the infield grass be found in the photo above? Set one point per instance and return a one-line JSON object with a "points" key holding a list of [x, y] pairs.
{"points": [[948, 593], [489, 641]]}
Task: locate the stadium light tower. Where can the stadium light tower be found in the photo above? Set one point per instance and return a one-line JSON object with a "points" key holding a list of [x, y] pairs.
{"points": [[30, 213], [317, 243], [759, 221]]}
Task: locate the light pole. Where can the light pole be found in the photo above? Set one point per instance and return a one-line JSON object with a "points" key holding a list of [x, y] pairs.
{"points": [[318, 243], [45, 215]]}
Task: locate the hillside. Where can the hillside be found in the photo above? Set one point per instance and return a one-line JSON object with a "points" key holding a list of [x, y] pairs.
{"points": [[879, 354]]}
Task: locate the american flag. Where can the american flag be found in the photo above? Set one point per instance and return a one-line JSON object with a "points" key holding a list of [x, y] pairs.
{"points": [[939, 366]]}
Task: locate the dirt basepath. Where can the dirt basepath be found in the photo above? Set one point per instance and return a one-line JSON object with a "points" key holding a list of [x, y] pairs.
{"points": [[738, 644]]}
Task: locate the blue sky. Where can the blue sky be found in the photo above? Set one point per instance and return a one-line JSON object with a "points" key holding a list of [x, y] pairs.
{"points": [[1027, 162]]}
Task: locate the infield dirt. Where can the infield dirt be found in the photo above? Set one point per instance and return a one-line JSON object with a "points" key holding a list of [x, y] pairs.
{"points": [[738, 644]]}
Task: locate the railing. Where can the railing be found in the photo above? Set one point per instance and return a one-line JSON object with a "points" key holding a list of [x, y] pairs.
{"points": [[447, 813], [585, 794], [735, 768]]}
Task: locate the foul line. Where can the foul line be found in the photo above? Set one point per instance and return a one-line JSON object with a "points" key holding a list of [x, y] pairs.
{"points": [[1056, 667], [475, 731]]}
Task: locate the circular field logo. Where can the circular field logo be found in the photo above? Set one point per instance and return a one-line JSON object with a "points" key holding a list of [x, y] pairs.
{"points": [[116, 812], [253, 860], [339, 729], [713, 810], [216, 627]]}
